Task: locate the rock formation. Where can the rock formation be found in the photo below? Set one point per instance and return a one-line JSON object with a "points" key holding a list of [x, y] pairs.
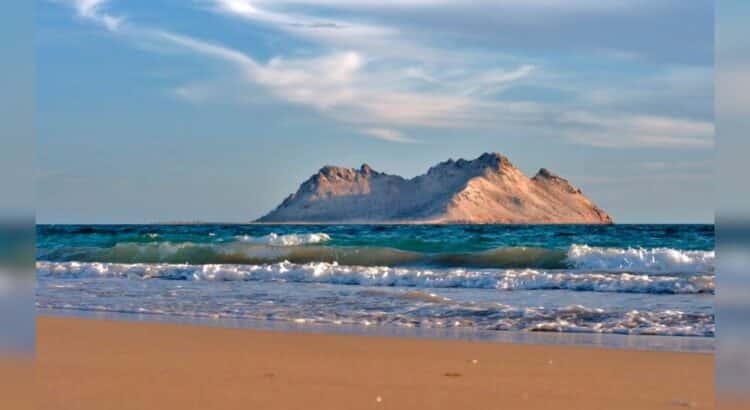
{"points": [[488, 189]]}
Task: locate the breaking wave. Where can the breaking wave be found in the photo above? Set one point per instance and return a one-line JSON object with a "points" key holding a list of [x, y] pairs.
{"points": [[333, 273], [648, 279], [640, 260], [437, 312], [293, 239], [582, 319], [302, 249]]}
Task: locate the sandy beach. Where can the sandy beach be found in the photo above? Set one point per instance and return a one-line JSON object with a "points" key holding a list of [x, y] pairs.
{"points": [[17, 381], [102, 364]]}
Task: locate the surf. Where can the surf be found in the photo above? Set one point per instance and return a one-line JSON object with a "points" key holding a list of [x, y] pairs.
{"points": [[379, 276], [277, 249]]}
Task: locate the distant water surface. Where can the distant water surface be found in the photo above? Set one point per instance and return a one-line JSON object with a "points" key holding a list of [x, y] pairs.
{"points": [[621, 279]]}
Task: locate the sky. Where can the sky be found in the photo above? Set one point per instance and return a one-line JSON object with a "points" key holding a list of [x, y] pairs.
{"points": [[17, 113], [732, 105], [215, 110]]}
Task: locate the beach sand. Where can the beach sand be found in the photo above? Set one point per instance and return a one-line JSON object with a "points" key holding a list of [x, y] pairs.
{"points": [[17, 381], [102, 364]]}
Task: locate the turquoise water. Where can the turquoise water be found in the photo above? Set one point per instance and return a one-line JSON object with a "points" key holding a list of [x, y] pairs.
{"points": [[419, 238], [627, 279]]}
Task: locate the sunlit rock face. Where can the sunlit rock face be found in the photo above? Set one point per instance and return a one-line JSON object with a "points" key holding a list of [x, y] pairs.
{"points": [[488, 189]]}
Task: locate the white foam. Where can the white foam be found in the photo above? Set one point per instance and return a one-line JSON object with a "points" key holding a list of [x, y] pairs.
{"points": [[577, 318], [570, 319], [293, 239], [656, 260], [322, 272]]}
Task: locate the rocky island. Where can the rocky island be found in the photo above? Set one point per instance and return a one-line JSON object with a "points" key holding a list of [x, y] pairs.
{"points": [[488, 189]]}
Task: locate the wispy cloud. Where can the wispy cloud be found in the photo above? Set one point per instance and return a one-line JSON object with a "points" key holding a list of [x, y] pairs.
{"points": [[348, 85], [206, 48], [375, 79], [93, 10], [559, 5], [389, 135], [496, 80], [241, 7], [343, 86], [647, 180], [675, 165], [523, 24], [637, 131]]}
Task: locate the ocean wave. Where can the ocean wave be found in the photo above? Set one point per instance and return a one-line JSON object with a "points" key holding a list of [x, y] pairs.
{"points": [[497, 317], [654, 260], [233, 253], [333, 273], [279, 248], [582, 319], [292, 239]]}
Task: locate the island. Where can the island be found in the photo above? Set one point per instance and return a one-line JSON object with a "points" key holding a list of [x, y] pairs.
{"points": [[486, 190]]}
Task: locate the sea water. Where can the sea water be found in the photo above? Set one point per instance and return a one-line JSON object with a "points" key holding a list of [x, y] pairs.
{"points": [[619, 279]]}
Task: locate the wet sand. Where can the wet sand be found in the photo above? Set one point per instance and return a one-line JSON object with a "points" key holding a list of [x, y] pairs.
{"points": [[107, 364]]}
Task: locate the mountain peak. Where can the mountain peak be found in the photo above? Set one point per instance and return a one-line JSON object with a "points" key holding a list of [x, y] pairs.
{"points": [[487, 189], [489, 160], [545, 173], [495, 160], [546, 176], [492, 157], [366, 169]]}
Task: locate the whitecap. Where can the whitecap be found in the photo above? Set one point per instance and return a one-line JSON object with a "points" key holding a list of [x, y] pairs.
{"points": [[292, 239], [655, 260]]}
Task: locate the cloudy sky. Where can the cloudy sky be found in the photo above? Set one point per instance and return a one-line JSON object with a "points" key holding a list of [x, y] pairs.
{"points": [[217, 109]]}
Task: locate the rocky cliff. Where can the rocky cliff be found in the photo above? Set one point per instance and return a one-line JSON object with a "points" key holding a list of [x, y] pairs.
{"points": [[488, 189]]}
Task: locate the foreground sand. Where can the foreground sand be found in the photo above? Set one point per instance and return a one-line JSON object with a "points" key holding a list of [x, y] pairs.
{"points": [[97, 364], [16, 382]]}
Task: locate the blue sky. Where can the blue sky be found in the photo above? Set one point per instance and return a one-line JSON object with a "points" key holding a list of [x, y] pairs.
{"points": [[17, 112], [217, 109]]}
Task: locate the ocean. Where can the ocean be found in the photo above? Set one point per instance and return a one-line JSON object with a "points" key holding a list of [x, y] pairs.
{"points": [[655, 280]]}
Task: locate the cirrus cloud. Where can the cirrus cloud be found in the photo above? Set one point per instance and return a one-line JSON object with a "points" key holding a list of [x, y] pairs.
{"points": [[375, 78], [389, 135]]}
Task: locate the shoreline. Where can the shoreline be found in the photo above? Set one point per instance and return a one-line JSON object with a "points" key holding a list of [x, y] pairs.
{"points": [[93, 364], [686, 344]]}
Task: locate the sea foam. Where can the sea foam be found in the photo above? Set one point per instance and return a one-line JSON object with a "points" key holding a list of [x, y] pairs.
{"points": [[311, 248], [656, 260], [293, 239], [333, 273]]}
